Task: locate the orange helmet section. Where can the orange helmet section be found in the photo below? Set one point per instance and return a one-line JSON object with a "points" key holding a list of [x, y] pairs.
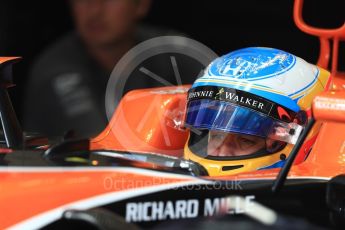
{"points": [[147, 120]]}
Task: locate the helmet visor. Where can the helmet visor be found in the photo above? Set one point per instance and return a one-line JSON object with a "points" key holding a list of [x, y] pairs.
{"points": [[227, 117]]}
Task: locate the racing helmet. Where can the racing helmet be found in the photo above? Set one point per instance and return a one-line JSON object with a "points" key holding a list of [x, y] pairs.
{"points": [[249, 108]]}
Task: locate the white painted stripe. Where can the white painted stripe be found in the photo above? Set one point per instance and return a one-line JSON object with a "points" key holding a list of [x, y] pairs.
{"points": [[290, 178], [131, 170], [47, 217], [145, 172], [310, 177], [244, 84]]}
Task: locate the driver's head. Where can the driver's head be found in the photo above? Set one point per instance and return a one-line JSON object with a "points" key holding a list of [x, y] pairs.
{"points": [[248, 109]]}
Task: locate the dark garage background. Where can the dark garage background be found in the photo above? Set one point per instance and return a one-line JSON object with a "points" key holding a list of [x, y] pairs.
{"points": [[27, 27]]}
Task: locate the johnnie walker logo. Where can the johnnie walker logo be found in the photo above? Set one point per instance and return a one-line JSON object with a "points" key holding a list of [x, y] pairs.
{"points": [[233, 96]]}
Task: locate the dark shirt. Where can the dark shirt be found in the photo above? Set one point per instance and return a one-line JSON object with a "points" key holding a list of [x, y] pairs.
{"points": [[67, 88]]}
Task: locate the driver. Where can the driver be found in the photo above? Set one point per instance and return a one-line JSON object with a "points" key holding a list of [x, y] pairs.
{"points": [[248, 109]]}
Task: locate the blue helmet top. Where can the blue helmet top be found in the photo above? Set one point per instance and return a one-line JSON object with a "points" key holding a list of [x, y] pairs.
{"points": [[270, 73]]}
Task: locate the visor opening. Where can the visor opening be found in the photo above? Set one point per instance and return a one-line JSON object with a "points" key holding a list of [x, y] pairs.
{"points": [[232, 167]]}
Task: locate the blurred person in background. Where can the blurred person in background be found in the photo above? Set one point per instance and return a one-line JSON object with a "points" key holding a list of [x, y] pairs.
{"points": [[67, 82]]}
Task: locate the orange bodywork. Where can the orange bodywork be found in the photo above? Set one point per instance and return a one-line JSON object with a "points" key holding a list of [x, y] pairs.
{"points": [[36, 194], [28, 192], [147, 121], [7, 59], [325, 160]]}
